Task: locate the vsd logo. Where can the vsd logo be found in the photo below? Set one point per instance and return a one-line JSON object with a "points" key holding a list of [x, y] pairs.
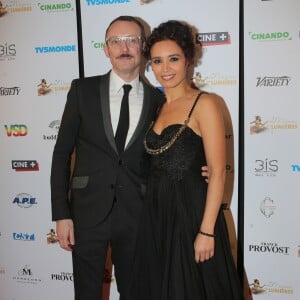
{"points": [[25, 165], [16, 130]]}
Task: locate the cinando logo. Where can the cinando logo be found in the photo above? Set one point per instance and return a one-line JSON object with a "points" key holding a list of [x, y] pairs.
{"points": [[270, 36], [105, 2], [49, 8], [98, 45]]}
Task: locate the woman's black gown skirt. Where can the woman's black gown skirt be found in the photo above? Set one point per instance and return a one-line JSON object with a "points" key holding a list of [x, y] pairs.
{"points": [[164, 266]]}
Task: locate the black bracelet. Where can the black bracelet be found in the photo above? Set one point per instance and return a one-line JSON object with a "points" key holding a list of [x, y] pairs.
{"points": [[207, 234]]}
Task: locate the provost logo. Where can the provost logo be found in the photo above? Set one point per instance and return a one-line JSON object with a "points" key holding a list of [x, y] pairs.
{"points": [[270, 36], [63, 276], [25, 165], [213, 38], [269, 248], [105, 2], [53, 8]]}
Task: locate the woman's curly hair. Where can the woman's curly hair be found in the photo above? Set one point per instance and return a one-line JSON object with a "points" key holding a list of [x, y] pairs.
{"points": [[176, 31]]}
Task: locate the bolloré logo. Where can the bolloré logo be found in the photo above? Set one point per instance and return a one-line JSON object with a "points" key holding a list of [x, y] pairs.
{"points": [[25, 165]]}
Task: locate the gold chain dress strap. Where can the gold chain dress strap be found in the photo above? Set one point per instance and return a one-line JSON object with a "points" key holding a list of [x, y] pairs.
{"points": [[176, 135]]}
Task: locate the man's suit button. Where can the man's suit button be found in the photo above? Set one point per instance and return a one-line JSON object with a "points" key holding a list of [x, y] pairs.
{"points": [[120, 162], [112, 186]]}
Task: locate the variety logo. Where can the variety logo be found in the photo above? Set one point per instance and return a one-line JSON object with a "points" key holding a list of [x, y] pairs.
{"points": [[266, 167], [16, 130], [25, 275], [295, 168], [272, 248], [25, 165], [55, 49], [24, 200], [213, 38], [267, 207], [52, 8], [105, 2], [9, 91], [213, 79], [267, 81], [270, 36], [63, 276], [8, 51], [23, 236]]}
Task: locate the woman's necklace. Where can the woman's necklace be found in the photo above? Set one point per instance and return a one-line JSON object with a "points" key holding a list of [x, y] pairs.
{"points": [[169, 143]]}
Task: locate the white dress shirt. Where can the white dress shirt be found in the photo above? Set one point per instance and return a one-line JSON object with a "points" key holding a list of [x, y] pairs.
{"points": [[136, 95]]}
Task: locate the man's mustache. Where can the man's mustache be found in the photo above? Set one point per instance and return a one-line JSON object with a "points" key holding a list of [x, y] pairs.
{"points": [[125, 55]]}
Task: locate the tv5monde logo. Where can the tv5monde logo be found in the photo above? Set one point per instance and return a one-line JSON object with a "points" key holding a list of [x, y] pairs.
{"points": [[16, 130]]}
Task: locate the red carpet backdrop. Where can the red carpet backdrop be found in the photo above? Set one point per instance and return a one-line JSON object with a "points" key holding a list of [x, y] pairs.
{"points": [[272, 147], [39, 58]]}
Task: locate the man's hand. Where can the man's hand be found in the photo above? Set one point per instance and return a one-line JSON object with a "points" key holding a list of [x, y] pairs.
{"points": [[205, 173], [65, 233]]}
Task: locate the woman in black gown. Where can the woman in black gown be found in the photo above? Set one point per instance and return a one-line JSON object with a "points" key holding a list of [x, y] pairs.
{"points": [[183, 251]]}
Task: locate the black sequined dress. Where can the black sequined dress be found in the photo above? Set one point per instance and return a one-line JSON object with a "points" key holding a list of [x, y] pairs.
{"points": [[164, 266]]}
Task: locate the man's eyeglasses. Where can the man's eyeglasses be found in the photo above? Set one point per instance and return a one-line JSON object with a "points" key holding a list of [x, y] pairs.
{"points": [[132, 41]]}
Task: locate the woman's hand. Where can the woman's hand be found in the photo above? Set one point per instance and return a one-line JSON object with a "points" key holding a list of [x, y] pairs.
{"points": [[204, 247]]}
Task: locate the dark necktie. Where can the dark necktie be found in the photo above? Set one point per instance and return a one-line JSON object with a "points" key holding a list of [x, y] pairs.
{"points": [[123, 125]]}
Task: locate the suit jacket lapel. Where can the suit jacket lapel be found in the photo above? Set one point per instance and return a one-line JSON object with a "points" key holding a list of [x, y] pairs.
{"points": [[105, 109]]}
